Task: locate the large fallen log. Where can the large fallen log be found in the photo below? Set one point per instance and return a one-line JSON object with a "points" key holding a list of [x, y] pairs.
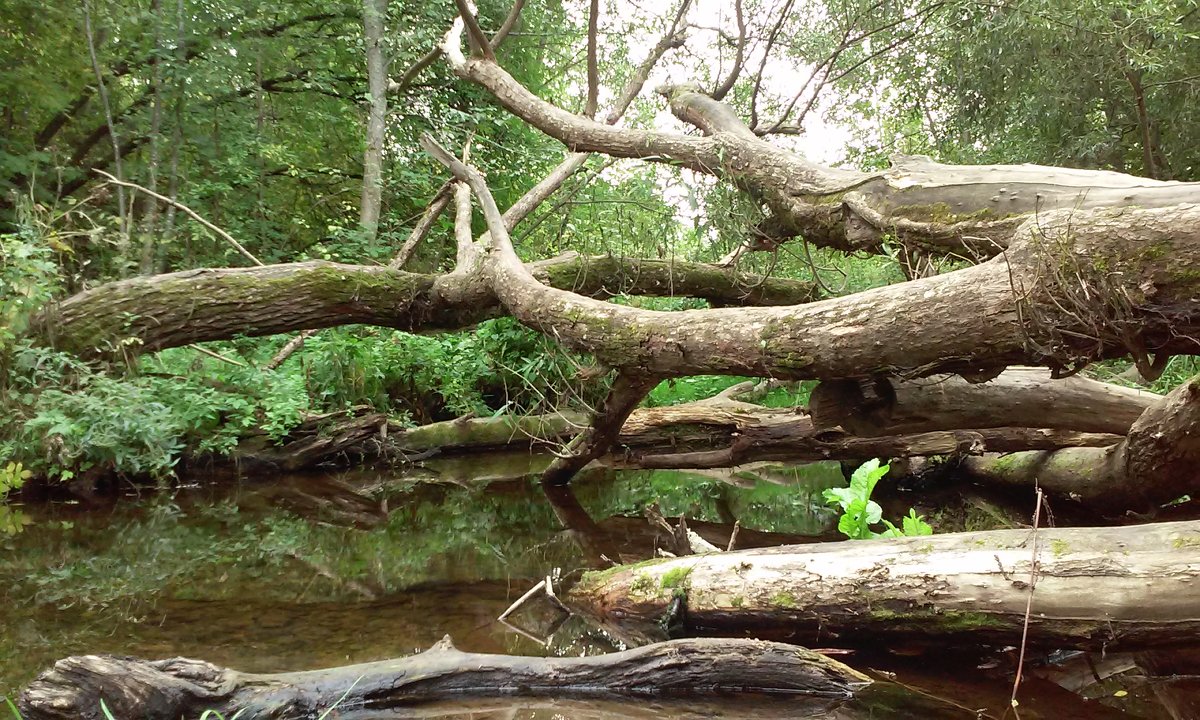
{"points": [[1127, 587], [180, 687], [1154, 465], [1018, 397]]}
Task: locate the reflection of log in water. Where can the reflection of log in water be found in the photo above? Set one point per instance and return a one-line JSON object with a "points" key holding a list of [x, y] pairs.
{"points": [[180, 687]]}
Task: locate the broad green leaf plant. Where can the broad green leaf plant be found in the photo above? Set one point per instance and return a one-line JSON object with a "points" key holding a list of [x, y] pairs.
{"points": [[860, 512]]}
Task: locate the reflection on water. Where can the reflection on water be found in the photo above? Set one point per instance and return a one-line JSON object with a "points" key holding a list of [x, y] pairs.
{"points": [[301, 572]]}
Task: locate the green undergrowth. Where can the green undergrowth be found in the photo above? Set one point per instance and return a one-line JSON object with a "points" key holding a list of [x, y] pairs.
{"points": [[62, 418]]}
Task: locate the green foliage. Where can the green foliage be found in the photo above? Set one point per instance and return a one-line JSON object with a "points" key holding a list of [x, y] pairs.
{"points": [[12, 477], [860, 512], [499, 366], [64, 417], [28, 276], [1100, 84]]}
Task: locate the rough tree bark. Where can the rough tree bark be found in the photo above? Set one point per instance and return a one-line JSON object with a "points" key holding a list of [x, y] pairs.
{"points": [[186, 688], [1155, 464], [374, 12], [1099, 588], [153, 313]]}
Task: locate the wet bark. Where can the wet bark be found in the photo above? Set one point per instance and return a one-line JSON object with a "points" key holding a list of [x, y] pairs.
{"points": [[1130, 587], [185, 688]]}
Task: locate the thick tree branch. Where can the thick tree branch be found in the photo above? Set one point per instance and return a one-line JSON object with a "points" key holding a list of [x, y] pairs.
{"points": [[150, 313], [970, 210]]}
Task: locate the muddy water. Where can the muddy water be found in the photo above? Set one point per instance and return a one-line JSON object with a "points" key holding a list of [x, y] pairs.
{"points": [[293, 573]]}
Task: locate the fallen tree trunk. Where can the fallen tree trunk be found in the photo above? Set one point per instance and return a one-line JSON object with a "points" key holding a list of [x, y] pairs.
{"points": [[181, 687], [1128, 587], [693, 435], [163, 311], [1155, 464], [1018, 397]]}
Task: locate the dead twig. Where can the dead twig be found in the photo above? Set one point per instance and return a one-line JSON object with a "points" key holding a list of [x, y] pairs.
{"points": [[113, 180], [1033, 571]]}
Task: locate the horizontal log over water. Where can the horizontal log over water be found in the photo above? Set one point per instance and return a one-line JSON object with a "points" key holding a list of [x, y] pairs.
{"points": [[163, 311], [170, 689], [1018, 397], [1096, 588]]}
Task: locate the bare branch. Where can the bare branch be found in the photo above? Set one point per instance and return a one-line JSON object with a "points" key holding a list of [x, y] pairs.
{"points": [[192, 213], [758, 76], [289, 349], [420, 231], [410, 75], [724, 88], [510, 21], [476, 39], [671, 39], [217, 356]]}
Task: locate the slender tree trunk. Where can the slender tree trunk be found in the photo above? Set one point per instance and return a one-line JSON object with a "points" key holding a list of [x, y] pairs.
{"points": [[374, 12], [150, 230], [1145, 126], [177, 131], [106, 102]]}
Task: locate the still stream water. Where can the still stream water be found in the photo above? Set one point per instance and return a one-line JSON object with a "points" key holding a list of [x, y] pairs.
{"points": [[299, 572]]}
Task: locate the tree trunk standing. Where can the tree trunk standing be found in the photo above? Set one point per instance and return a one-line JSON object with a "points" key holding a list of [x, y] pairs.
{"points": [[177, 129], [106, 103], [151, 229], [1095, 588], [374, 13], [186, 688]]}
